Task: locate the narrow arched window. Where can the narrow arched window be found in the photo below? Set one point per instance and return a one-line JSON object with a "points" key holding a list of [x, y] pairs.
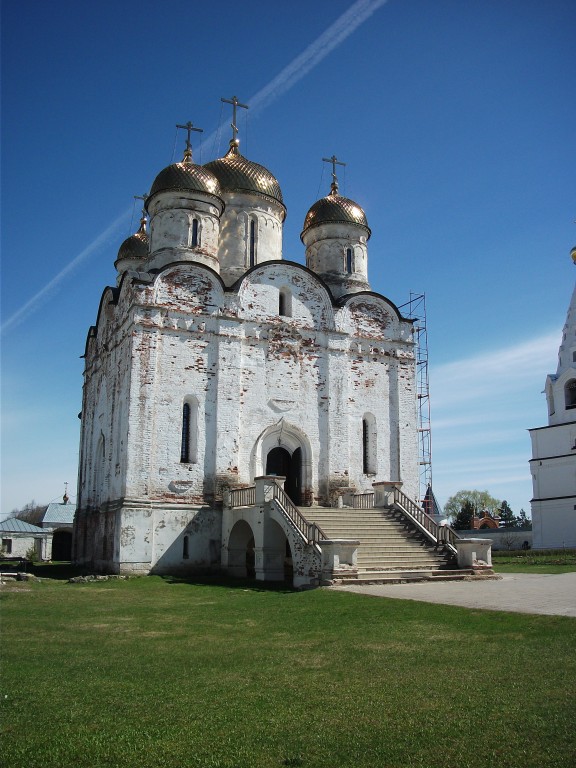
{"points": [[570, 393], [185, 450], [252, 242], [185, 547], [189, 442], [349, 260], [369, 444], [195, 241], [285, 303]]}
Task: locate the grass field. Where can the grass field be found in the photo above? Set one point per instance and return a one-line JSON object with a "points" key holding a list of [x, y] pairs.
{"points": [[535, 561], [149, 672]]}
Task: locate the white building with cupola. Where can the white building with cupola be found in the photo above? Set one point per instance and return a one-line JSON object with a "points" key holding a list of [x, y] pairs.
{"points": [[553, 463], [236, 405]]}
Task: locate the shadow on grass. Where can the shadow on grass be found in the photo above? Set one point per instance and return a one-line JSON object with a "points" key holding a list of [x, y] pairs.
{"points": [[63, 571], [227, 582], [59, 571]]}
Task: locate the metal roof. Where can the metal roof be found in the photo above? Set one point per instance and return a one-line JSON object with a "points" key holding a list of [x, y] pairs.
{"points": [[237, 174], [335, 209], [13, 525], [186, 177], [59, 513]]}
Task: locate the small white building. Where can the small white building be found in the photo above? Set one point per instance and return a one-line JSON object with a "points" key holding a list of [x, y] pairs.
{"points": [[21, 539], [214, 362], [553, 463]]}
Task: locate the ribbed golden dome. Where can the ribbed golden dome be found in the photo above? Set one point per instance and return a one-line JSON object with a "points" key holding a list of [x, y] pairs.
{"points": [[185, 176], [573, 254], [237, 174], [136, 246], [335, 209]]}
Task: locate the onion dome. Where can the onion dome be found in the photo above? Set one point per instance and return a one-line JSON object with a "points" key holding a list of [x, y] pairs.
{"points": [[335, 209], [237, 174], [573, 254], [185, 177], [136, 246]]}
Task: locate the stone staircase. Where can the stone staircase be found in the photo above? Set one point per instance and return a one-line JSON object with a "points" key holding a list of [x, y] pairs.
{"points": [[391, 548]]}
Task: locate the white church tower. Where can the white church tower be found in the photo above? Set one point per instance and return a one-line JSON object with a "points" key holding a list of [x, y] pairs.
{"points": [[230, 396], [553, 464]]}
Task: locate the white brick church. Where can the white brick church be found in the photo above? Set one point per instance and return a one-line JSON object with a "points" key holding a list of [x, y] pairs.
{"points": [[216, 368], [553, 463]]}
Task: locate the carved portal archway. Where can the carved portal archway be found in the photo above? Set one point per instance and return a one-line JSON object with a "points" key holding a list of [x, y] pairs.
{"points": [[283, 449], [280, 462]]}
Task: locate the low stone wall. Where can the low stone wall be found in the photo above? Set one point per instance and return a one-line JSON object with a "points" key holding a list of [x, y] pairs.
{"points": [[502, 538]]}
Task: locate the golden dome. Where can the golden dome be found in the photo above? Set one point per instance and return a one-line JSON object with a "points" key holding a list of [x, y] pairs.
{"points": [[237, 174], [185, 176], [136, 246], [335, 209]]}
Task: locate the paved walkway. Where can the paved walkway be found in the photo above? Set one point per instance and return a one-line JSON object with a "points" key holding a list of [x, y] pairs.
{"points": [[552, 594]]}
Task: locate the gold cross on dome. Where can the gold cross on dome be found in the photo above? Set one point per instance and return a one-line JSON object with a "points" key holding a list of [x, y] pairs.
{"points": [[235, 103], [189, 127], [334, 160]]}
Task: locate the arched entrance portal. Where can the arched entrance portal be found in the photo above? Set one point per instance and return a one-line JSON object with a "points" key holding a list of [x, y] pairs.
{"points": [[280, 462]]}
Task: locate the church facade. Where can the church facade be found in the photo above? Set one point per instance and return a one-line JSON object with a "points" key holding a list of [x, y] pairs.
{"points": [[214, 362], [553, 463]]}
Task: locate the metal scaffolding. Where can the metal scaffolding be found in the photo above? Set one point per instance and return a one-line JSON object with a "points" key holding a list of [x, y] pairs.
{"points": [[415, 309]]}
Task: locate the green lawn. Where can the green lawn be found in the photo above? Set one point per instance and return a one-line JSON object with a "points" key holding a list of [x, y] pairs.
{"points": [[145, 673], [535, 561]]}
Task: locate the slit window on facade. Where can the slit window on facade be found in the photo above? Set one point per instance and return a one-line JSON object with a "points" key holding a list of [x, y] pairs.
{"points": [[252, 242], [195, 233], [285, 303], [189, 443], [185, 548], [365, 447], [349, 260], [185, 450], [369, 445]]}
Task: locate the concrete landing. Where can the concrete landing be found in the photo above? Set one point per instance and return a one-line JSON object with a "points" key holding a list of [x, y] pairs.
{"points": [[549, 594]]}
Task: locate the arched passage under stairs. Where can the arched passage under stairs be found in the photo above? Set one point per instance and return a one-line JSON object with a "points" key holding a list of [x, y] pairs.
{"points": [[259, 550]]}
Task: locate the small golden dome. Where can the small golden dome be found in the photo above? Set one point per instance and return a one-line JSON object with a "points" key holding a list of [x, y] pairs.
{"points": [[136, 246], [335, 209]]}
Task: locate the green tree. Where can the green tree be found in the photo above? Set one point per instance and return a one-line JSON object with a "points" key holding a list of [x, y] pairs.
{"points": [[525, 523], [478, 499], [507, 517], [463, 520]]}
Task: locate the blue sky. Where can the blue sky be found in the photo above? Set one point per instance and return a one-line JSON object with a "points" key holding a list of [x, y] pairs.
{"points": [[456, 121]]}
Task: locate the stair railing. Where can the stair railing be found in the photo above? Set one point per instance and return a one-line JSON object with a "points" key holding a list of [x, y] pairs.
{"points": [[439, 534], [311, 532], [242, 497], [246, 497], [363, 500]]}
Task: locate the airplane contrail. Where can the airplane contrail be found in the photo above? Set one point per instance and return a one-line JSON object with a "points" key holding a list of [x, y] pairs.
{"points": [[298, 68], [330, 39], [44, 292]]}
